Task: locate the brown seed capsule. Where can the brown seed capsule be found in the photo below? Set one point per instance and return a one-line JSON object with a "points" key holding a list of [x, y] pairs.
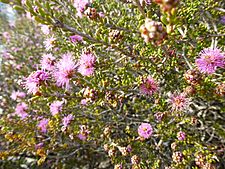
{"points": [[91, 13], [112, 152], [153, 31], [115, 35], [173, 146], [107, 131], [106, 147], [193, 77], [118, 166], [200, 160], [135, 159], [190, 90], [177, 157], [220, 89]]}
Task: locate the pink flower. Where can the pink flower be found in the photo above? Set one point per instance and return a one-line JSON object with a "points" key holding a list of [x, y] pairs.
{"points": [[45, 29], [17, 95], [84, 102], [87, 62], [181, 135], [76, 38], [83, 133], [39, 145], [101, 14], [149, 86], [47, 62], [210, 60], [80, 6], [49, 43], [222, 20], [179, 101], [6, 35], [21, 110], [56, 107], [43, 124], [64, 71], [34, 80], [67, 119], [145, 130]]}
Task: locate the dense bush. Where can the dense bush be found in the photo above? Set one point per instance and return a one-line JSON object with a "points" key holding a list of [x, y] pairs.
{"points": [[129, 84]]}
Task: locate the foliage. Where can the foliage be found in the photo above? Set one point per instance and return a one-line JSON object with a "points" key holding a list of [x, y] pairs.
{"points": [[126, 91]]}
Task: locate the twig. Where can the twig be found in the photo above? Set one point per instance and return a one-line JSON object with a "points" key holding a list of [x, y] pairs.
{"points": [[140, 8]]}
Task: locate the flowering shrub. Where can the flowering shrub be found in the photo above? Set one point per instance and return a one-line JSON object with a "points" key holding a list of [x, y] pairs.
{"points": [[129, 84]]}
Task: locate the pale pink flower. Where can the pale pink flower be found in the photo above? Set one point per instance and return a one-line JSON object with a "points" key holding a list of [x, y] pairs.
{"points": [[83, 133], [47, 62], [6, 35], [64, 71], [67, 119], [43, 124], [80, 6], [84, 102], [39, 145], [56, 107], [101, 14], [87, 62], [21, 110], [34, 80], [49, 43], [181, 135], [17, 95], [45, 29]]}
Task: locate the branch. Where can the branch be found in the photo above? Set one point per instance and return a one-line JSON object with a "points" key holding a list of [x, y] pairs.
{"points": [[140, 7]]}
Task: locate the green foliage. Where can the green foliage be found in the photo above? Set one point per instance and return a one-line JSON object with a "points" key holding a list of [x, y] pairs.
{"points": [[125, 57]]}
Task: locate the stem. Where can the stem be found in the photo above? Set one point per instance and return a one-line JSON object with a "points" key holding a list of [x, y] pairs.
{"points": [[140, 7], [71, 29]]}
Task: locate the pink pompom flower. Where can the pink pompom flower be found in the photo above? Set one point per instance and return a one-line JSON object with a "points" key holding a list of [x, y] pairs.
{"points": [[86, 64], [83, 133], [17, 95], [145, 130], [34, 80], [210, 59], [48, 62], [80, 6], [76, 38], [67, 119], [149, 86], [179, 101], [21, 110], [56, 107], [43, 124], [64, 71], [49, 43], [181, 135]]}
